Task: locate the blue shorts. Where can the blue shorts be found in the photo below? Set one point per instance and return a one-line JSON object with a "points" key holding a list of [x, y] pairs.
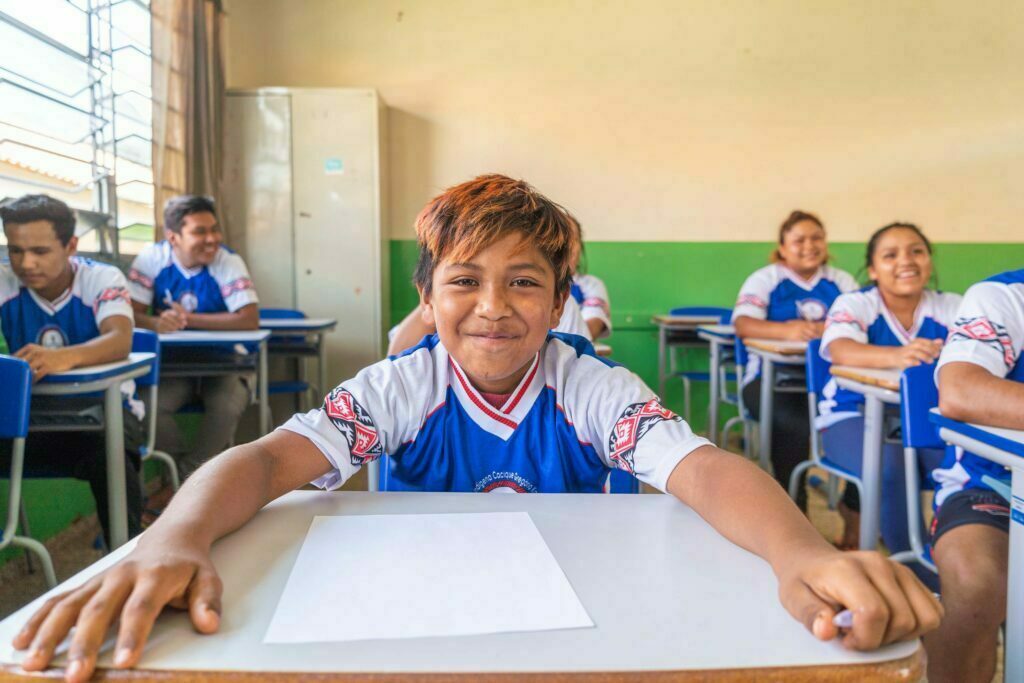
{"points": [[972, 506]]}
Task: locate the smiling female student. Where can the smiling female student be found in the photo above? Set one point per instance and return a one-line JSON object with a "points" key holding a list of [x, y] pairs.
{"points": [[789, 300], [897, 322], [492, 402]]}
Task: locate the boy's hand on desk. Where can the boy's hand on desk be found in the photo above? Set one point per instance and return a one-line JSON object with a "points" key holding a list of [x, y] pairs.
{"points": [[888, 602], [172, 319], [804, 330], [917, 352], [135, 590], [44, 361]]}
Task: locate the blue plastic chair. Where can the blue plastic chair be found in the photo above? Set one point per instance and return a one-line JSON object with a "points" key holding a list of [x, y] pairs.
{"points": [[295, 346], [16, 379], [149, 341], [918, 395], [744, 419], [688, 376], [817, 378]]}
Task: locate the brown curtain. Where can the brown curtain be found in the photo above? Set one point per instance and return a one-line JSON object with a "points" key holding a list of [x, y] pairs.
{"points": [[188, 100]]}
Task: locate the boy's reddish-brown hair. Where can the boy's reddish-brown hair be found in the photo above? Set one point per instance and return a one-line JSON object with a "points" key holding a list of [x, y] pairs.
{"points": [[464, 219]]}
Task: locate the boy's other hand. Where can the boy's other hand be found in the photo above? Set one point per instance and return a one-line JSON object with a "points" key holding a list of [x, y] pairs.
{"points": [[804, 330], [917, 352], [135, 590], [172, 319], [888, 602], [45, 361]]}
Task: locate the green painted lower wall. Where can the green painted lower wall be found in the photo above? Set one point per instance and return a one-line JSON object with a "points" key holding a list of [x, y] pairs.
{"points": [[643, 278]]}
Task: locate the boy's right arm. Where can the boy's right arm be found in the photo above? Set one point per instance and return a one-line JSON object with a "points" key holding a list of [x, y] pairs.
{"points": [[169, 321], [409, 332], [171, 564]]}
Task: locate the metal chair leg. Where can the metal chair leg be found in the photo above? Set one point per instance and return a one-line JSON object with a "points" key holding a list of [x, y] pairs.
{"points": [[26, 531], [794, 478]]}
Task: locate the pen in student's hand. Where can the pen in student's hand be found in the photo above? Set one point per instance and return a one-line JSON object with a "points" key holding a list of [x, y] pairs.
{"points": [[845, 618], [168, 299]]}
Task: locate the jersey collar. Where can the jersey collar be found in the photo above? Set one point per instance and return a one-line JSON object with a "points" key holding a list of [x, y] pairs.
{"points": [[501, 422], [903, 334], [55, 306], [799, 281], [187, 272]]}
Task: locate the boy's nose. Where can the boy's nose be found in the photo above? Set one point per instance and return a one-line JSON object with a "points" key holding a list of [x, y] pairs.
{"points": [[492, 302]]}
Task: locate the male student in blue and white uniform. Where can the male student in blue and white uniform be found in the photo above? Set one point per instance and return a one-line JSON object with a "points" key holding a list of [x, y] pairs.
{"points": [[493, 402], [58, 312], [981, 379], [192, 281], [897, 322]]}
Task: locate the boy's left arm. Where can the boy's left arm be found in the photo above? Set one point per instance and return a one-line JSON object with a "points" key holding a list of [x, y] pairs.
{"points": [[113, 343], [245, 318], [816, 581]]}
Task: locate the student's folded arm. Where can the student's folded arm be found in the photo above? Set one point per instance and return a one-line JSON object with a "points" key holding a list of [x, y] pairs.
{"points": [[852, 352], [409, 332], [748, 327], [816, 581], [245, 318], [971, 393], [113, 344]]}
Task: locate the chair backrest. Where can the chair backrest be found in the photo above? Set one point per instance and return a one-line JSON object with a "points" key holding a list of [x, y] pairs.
{"points": [[740, 349], [817, 368], [147, 341], [918, 395], [288, 313], [702, 310], [16, 379], [725, 318]]}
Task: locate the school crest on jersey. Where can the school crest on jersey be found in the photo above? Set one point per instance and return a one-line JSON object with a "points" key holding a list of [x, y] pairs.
{"points": [[352, 420], [987, 332], [52, 337], [504, 482], [635, 421], [189, 301], [811, 309]]}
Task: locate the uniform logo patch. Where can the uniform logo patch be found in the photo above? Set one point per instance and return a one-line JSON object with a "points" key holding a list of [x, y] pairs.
{"points": [[751, 300], [136, 276], [504, 482], [987, 332], [992, 509], [636, 420], [111, 294], [811, 309], [189, 301], [843, 318], [239, 285], [355, 424], [52, 337]]}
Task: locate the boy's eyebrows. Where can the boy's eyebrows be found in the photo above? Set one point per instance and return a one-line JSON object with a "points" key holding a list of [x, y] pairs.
{"points": [[525, 265]]}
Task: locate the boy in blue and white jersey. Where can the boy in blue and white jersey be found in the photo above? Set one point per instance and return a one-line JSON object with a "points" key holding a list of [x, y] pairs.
{"points": [[895, 323], [591, 294], [494, 402], [191, 281], [981, 379], [58, 312]]}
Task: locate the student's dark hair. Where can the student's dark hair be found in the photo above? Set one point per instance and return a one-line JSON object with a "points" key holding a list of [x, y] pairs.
{"points": [[467, 218], [183, 205], [40, 207], [869, 256], [795, 217]]}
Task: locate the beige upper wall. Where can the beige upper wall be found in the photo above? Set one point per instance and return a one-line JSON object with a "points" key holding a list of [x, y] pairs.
{"points": [[672, 120]]}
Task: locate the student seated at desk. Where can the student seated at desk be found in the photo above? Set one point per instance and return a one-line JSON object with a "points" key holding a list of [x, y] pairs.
{"points": [[897, 322], [591, 294], [789, 300], [192, 281], [59, 312], [981, 379], [493, 402]]}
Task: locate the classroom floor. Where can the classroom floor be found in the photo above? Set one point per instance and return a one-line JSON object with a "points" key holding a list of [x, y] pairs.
{"points": [[72, 550]]}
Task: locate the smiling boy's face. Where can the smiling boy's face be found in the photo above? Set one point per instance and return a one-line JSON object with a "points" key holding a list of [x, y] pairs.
{"points": [[493, 311]]}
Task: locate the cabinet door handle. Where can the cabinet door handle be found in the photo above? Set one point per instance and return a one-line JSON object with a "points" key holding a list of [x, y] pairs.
{"points": [[305, 214]]}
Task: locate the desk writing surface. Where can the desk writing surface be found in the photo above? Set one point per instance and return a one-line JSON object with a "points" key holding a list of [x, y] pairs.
{"points": [[188, 337], [784, 347], [94, 372], [297, 323], [664, 590], [886, 378], [1003, 438], [718, 330], [684, 320]]}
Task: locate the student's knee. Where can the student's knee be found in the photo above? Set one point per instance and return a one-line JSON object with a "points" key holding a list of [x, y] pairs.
{"points": [[228, 397], [972, 564]]}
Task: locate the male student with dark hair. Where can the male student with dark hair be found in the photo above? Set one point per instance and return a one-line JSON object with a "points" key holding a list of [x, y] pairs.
{"points": [[59, 311], [192, 281], [493, 402]]}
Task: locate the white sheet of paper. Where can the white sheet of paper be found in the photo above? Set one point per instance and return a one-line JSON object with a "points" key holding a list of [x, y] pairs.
{"points": [[411, 576]]}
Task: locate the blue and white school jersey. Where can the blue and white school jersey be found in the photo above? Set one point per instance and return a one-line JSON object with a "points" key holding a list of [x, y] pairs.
{"points": [[778, 294], [97, 292], [989, 331], [592, 296], [572, 418], [223, 286], [863, 317]]}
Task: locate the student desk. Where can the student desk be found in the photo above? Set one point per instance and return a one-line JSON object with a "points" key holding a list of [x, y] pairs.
{"points": [[106, 378], [671, 600], [772, 352], [667, 325], [1005, 447], [312, 330], [602, 350], [717, 337], [201, 339], [878, 387]]}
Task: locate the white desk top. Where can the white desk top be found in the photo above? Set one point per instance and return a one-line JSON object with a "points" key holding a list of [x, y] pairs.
{"points": [[886, 378], [724, 331], [1009, 440], [602, 349], [297, 323], [783, 347], [665, 591], [204, 337], [685, 321], [92, 373]]}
